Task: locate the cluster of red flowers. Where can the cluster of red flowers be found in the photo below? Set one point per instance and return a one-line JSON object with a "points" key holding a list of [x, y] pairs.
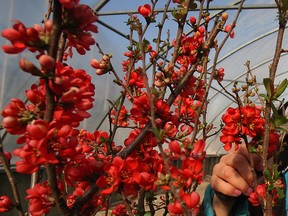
{"points": [[34, 38], [86, 160], [78, 22], [259, 194], [5, 203], [246, 121]]}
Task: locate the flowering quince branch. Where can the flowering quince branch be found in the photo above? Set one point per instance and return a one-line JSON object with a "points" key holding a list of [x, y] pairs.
{"points": [[167, 102], [282, 9], [263, 131]]}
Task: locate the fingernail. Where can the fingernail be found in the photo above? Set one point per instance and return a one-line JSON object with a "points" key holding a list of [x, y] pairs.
{"points": [[249, 191], [237, 192]]}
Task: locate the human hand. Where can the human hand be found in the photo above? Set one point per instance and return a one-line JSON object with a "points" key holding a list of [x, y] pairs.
{"points": [[233, 176]]}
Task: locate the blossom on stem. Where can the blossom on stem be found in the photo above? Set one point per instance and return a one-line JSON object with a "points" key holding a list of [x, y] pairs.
{"points": [[21, 37], [191, 201], [78, 23], [145, 10], [16, 117], [244, 121], [5, 203], [40, 199]]}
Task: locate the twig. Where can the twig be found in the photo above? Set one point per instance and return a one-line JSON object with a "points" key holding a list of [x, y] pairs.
{"points": [[11, 179]]}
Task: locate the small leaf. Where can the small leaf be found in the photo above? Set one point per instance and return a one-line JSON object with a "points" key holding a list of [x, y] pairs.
{"points": [[269, 87], [264, 96], [252, 149], [148, 214], [280, 193], [281, 88], [156, 131], [178, 13], [267, 174], [280, 120]]}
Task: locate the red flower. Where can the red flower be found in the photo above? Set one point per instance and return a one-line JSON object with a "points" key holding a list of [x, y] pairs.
{"points": [[78, 25], [34, 38], [16, 116], [123, 118], [227, 29], [5, 203], [219, 74], [40, 199], [273, 141], [140, 109], [162, 109], [246, 121], [136, 79], [198, 147], [170, 129], [38, 129], [191, 200], [111, 181], [75, 91], [69, 3], [145, 10], [260, 191], [193, 168]]}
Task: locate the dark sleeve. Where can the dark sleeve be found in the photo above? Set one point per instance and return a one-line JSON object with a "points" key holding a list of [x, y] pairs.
{"points": [[240, 207]]}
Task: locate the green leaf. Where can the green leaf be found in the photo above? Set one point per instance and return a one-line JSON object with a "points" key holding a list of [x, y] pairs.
{"points": [[156, 131], [269, 87], [280, 193], [281, 88], [252, 149], [148, 214], [267, 174], [280, 120], [178, 13], [264, 96]]}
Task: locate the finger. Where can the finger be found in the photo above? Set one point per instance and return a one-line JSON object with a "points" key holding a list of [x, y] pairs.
{"points": [[242, 150], [223, 187], [241, 165], [232, 177]]}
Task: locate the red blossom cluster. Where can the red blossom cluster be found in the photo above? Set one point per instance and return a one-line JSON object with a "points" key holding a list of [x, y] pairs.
{"points": [[40, 199], [259, 194], [246, 121], [85, 160], [78, 23], [34, 38], [44, 142], [5, 203], [145, 10]]}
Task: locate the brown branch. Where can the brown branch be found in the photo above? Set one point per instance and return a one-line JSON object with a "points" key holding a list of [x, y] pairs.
{"points": [[267, 111], [11, 179], [50, 103], [80, 201]]}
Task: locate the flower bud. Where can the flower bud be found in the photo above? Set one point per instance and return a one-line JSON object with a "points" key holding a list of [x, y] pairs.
{"points": [[47, 62], [224, 17], [95, 63], [29, 67]]}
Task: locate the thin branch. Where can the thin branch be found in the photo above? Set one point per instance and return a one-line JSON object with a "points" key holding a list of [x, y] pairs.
{"points": [[11, 179]]}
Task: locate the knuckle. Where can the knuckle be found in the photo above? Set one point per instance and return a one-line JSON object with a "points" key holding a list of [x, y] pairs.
{"points": [[213, 182], [228, 172]]}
